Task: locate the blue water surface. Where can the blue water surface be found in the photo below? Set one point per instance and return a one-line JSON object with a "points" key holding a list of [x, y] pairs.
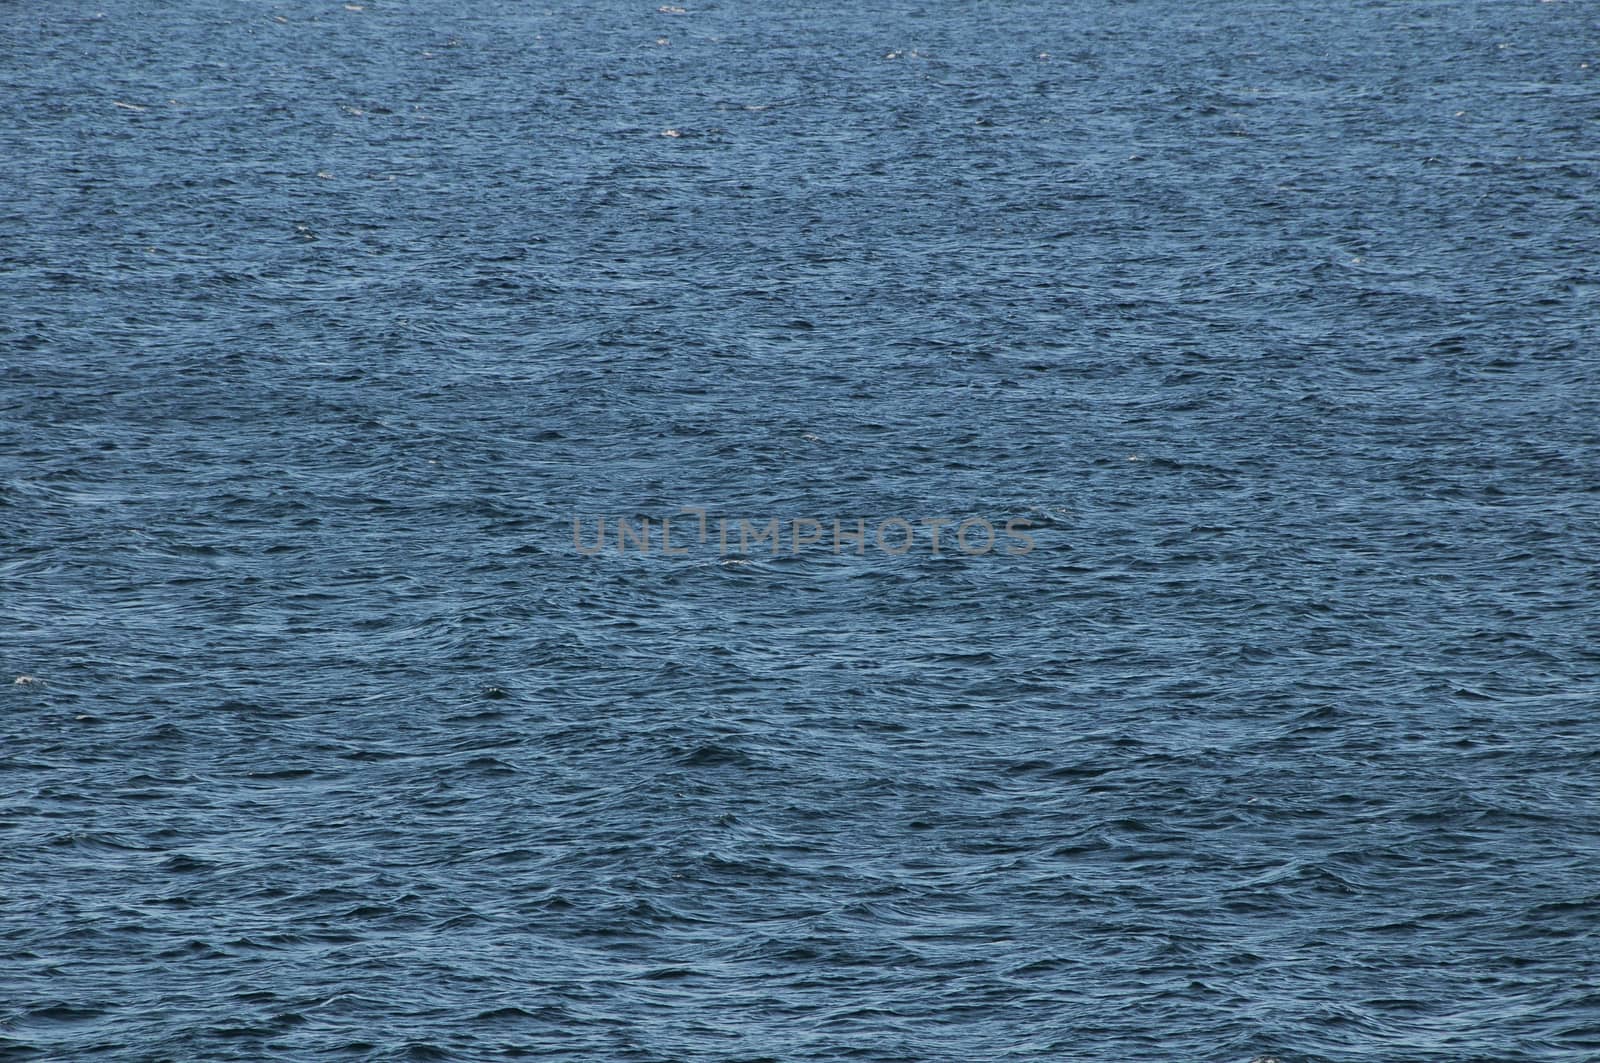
{"points": [[1272, 323]]}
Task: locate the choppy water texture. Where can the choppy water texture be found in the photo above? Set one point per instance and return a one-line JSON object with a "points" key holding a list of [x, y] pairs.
{"points": [[1277, 320]]}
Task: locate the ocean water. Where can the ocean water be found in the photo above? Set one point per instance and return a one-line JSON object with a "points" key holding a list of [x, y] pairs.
{"points": [[332, 334]]}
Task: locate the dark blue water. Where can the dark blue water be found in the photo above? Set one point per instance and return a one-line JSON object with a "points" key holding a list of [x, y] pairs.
{"points": [[1274, 324]]}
